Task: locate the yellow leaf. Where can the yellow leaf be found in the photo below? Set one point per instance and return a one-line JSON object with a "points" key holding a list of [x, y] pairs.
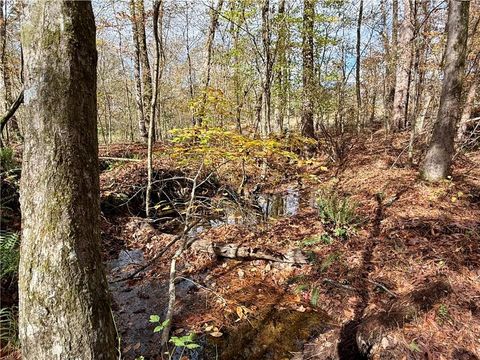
{"points": [[216, 334]]}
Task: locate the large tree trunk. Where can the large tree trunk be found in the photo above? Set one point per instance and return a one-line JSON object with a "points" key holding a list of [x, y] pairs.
{"points": [[404, 64], [63, 294], [308, 68], [439, 155]]}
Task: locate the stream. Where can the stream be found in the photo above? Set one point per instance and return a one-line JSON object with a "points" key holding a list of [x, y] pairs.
{"points": [[271, 334]]}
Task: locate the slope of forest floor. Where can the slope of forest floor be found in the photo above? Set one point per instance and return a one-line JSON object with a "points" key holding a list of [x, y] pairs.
{"points": [[404, 285]]}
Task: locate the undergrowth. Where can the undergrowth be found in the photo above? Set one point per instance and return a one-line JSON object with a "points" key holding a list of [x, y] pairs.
{"points": [[337, 213]]}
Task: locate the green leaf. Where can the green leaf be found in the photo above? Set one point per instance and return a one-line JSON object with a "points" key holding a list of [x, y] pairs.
{"points": [[154, 318], [158, 328], [192, 346], [414, 347], [165, 323]]}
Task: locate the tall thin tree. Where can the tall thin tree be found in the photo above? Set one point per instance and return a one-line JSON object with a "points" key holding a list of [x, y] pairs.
{"points": [[308, 128]]}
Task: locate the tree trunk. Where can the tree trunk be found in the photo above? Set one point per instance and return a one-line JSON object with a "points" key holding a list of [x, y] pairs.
{"points": [[64, 310], [7, 84], [439, 155], [215, 12], [468, 106], [403, 69], [308, 68], [357, 67], [267, 56], [157, 16], [137, 73], [144, 62], [282, 72]]}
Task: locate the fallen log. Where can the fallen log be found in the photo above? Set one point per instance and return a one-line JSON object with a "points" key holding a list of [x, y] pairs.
{"points": [[243, 252], [110, 158]]}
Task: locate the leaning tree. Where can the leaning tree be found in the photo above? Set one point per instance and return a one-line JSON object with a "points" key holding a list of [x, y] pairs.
{"points": [[437, 164]]}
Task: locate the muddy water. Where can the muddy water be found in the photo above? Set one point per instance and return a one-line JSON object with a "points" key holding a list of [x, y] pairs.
{"points": [[274, 334], [277, 334]]}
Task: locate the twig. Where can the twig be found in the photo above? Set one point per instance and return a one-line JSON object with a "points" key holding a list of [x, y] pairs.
{"points": [[340, 285], [383, 287], [11, 111], [203, 287], [155, 258]]}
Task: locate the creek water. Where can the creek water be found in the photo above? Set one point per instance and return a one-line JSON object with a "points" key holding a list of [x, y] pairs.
{"points": [[272, 334]]}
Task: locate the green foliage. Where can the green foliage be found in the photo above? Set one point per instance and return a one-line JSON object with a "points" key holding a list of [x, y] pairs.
{"points": [[329, 261], [161, 326], [324, 239], [184, 342], [215, 145], [9, 254], [314, 296], [337, 212], [187, 341], [7, 161], [9, 326], [211, 104]]}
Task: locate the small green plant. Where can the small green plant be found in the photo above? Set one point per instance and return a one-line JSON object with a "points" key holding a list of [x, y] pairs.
{"points": [[9, 326], [314, 296], [329, 261], [156, 320], [9, 254], [183, 342], [324, 239], [187, 341], [443, 313], [338, 213]]}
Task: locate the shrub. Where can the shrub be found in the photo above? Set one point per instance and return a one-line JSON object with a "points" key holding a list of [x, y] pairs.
{"points": [[337, 212]]}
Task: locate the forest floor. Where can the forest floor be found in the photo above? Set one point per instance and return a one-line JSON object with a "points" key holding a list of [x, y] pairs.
{"points": [[403, 285]]}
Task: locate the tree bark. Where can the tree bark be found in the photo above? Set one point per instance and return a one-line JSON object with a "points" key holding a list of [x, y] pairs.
{"points": [[403, 69], [468, 106], [215, 12], [282, 72], [267, 56], [7, 83], [308, 129], [144, 62], [157, 16], [357, 67], [137, 73], [438, 159], [64, 310]]}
